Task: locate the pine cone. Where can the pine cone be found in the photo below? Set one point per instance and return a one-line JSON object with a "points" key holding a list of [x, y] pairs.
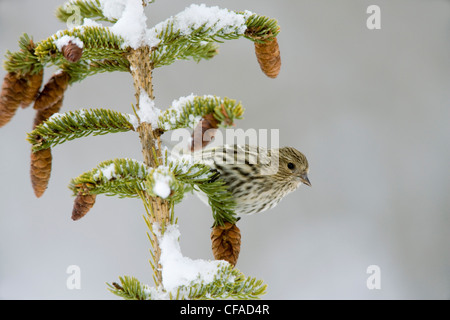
{"points": [[268, 55], [226, 242], [204, 132], [41, 161], [44, 114], [34, 83], [12, 94], [41, 167], [53, 91], [83, 203], [72, 52]]}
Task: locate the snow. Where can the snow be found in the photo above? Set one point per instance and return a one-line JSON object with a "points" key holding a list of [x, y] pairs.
{"points": [[109, 171], [181, 102], [178, 270], [113, 9], [90, 23], [147, 111], [64, 40], [214, 20], [161, 187], [176, 111], [56, 116], [131, 23]]}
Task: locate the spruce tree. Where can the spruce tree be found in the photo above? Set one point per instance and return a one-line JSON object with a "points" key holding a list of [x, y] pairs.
{"points": [[160, 181]]}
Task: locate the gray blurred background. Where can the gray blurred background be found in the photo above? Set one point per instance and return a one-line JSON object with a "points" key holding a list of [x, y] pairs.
{"points": [[369, 108]]}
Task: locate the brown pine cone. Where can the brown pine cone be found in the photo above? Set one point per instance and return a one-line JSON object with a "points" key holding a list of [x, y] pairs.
{"points": [[11, 96], [44, 114], [269, 59], [72, 52], [204, 132], [41, 161], [226, 242], [41, 167], [34, 83], [53, 91], [83, 203]]}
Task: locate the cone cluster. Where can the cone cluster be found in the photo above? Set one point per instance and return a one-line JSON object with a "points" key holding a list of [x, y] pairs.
{"points": [[47, 103], [226, 242], [17, 91]]}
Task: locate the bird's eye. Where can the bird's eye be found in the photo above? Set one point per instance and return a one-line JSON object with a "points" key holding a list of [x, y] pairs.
{"points": [[291, 165]]}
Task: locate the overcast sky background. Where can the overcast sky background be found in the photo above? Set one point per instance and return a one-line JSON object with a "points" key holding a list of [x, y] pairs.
{"points": [[369, 108]]}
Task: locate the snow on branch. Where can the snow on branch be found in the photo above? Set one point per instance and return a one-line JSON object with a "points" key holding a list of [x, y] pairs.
{"points": [[62, 127], [198, 23], [129, 177], [121, 177], [185, 278], [186, 112], [191, 34]]}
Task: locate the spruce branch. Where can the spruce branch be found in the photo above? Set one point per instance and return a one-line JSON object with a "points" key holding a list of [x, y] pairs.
{"points": [[131, 178], [129, 289], [228, 283], [261, 29], [124, 178], [24, 61], [99, 43], [187, 111], [85, 68], [87, 9], [102, 52], [176, 41], [77, 124], [166, 55], [201, 178], [214, 280]]}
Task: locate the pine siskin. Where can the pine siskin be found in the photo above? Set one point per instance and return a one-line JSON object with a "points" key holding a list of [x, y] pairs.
{"points": [[257, 178]]}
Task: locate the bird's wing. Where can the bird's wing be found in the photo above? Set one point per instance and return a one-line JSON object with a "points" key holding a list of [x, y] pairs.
{"points": [[230, 155]]}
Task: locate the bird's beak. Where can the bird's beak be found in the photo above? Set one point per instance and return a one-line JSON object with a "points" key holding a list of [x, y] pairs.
{"points": [[304, 179]]}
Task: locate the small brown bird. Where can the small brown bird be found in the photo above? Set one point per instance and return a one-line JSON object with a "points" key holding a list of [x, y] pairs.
{"points": [[258, 178]]}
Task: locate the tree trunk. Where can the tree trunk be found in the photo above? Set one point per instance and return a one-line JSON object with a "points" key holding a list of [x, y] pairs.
{"points": [[141, 70]]}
